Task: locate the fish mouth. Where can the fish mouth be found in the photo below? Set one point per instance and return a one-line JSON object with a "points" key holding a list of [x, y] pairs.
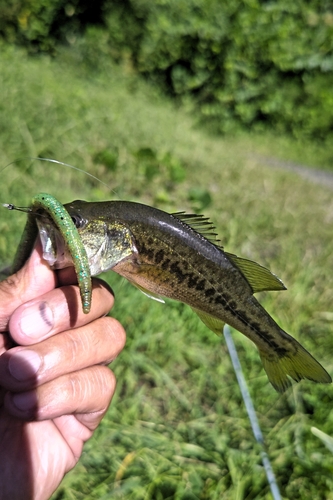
{"points": [[105, 246], [57, 254], [55, 251]]}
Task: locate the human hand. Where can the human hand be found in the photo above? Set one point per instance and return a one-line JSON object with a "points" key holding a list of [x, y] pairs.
{"points": [[55, 386]]}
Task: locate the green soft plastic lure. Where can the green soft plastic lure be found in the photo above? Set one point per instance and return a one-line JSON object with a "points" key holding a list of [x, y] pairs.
{"points": [[44, 210], [168, 255]]}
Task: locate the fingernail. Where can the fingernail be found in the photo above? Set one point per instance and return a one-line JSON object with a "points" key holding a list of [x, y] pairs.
{"points": [[37, 320], [25, 401], [24, 364]]}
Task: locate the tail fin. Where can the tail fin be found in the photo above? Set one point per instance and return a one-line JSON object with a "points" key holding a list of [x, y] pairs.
{"points": [[298, 364]]}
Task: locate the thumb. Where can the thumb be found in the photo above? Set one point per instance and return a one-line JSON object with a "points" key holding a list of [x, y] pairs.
{"points": [[34, 279]]}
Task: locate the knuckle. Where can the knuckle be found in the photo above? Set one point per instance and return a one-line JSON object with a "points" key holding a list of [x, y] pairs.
{"points": [[104, 292], [102, 285], [87, 383], [74, 345], [86, 392], [116, 331], [115, 336]]}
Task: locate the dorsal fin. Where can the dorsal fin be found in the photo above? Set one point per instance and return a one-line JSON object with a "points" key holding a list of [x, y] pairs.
{"points": [[260, 278], [201, 225]]}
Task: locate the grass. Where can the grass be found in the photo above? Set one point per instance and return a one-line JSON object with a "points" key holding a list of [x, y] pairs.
{"points": [[177, 428]]}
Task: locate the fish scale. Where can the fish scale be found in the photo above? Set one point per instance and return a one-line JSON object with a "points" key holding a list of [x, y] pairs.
{"points": [[178, 256], [230, 312]]}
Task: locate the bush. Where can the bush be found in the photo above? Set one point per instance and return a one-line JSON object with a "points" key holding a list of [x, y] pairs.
{"points": [[245, 62], [39, 24], [248, 63]]}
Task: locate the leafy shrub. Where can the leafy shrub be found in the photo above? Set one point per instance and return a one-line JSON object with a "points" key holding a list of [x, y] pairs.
{"points": [[40, 23], [249, 63], [246, 62]]}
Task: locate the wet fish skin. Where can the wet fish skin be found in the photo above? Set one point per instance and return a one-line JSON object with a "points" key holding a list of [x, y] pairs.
{"points": [[164, 255]]}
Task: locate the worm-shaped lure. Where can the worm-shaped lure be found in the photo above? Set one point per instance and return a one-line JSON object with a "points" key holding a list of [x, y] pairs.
{"points": [[45, 204]]}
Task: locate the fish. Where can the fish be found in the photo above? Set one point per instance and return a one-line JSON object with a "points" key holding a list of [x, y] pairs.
{"points": [[178, 256]]}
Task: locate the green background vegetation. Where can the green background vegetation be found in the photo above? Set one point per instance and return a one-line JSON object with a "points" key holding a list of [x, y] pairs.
{"points": [[242, 63], [177, 427]]}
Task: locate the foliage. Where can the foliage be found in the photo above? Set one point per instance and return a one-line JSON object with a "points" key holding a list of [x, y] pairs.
{"points": [[177, 427], [245, 62], [38, 24], [250, 63]]}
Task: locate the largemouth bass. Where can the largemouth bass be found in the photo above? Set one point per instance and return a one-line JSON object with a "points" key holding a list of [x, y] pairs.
{"points": [[177, 256]]}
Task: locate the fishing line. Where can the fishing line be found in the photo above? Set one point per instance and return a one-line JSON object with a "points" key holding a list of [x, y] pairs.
{"points": [[251, 413], [74, 168], [51, 160]]}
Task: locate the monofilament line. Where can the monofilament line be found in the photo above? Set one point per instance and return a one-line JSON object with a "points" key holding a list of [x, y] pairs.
{"points": [[51, 160], [251, 413], [10, 206]]}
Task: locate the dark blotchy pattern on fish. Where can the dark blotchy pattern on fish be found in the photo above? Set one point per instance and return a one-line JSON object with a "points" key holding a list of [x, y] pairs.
{"points": [[213, 295], [170, 255]]}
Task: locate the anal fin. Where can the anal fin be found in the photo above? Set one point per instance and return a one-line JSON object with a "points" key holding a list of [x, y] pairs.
{"points": [[214, 324]]}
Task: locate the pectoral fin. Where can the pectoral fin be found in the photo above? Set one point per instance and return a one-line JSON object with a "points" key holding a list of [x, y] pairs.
{"points": [[148, 293]]}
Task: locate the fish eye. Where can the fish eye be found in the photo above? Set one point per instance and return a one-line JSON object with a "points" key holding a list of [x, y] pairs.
{"points": [[78, 221]]}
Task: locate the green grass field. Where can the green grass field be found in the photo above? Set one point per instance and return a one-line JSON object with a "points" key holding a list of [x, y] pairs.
{"points": [[177, 427]]}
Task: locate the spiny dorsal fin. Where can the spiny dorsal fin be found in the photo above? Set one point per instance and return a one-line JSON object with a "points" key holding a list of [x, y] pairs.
{"points": [[260, 278], [201, 225]]}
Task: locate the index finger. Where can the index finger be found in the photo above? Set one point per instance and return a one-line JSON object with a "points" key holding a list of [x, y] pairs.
{"points": [[56, 311]]}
